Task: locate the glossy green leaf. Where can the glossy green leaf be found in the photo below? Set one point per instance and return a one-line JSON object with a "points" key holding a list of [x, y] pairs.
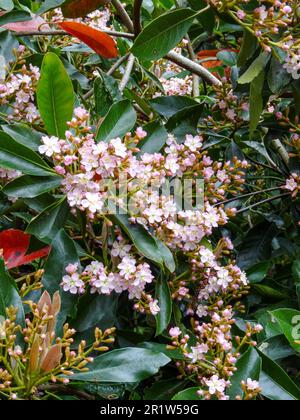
{"points": [[14, 155], [163, 34], [248, 49], [189, 394], [156, 138], [106, 92], [145, 243], [55, 96], [46, 225], [120, 119], [256, 101], [289, 322], [163, 295], [9, 295], [275, 383], [63, 252], [128, 365], [24, 134], [167, 106], [278, 77], [255, 69], [258, 272], [248, 366], [31, 186], [14, 16]]}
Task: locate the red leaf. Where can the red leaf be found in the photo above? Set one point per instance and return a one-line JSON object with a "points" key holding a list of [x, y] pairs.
{"points": [[14, 245], [100, 42]]}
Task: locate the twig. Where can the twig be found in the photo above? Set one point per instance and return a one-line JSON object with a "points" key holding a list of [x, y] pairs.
{"points": [[127, 73], [240, 197], [137, 16], [123, 15], [268, 200], [62, 33], [280, 149], [117, 64], [196, 80], [195, 68], [109, 73]]}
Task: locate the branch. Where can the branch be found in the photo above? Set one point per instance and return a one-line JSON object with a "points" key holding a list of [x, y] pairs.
{"points": [[137, 16], [194, 68], [241, 197], [127, 73], [196, 79], [123, 15], [268, 200], [67, 390], [62, 33]]}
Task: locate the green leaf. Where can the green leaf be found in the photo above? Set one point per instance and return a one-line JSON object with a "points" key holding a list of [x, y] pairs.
{"points": [[24, 134], [163, 295], [55, 96], [248, 366], [7, 5], [96, 310], [270, 292], [163, 34], [256, 101], [14, 16], [8, 43], [167, 106], [63, 252], [248, 49], [49, 4], [31, 186], [128, 365], [46, 225], [163, 390], [14, 155], [106, 92], [289, 321], [120, 119], [145, 243], [156, 138], [255, 69], [9, 295], [278, 77], [276, 348], [256, 246], [275, 383], [185, 121], [258, 272], [296, 270], [189, 394]]}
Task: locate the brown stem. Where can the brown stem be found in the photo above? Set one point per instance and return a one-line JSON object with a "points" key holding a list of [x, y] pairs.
{"points": [[137, 16], [62, 33], [123, 15], [268, 200]]}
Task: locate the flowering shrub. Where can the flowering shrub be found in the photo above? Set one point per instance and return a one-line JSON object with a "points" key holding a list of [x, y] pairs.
{"points": [[150, 178]]}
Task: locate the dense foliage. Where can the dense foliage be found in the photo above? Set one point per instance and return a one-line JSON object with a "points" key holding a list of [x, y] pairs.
{"points": [[149, 204]]}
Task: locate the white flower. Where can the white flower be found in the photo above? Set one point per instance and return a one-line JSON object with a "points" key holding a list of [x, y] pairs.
{"points": [[120, 148], [198, 352], [153, 214], [120, 249], [201, 311], [215, 385], [127, 267], [154, 308], [93, 202], [193, 143], [73, 284], [50, 147]]}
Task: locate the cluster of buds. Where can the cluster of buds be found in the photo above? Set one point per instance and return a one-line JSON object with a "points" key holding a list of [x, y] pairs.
{"points": [[210, 359], [43, 357], [266, 22], [231, 110]]}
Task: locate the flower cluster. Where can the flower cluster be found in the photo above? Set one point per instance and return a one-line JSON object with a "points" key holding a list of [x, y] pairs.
{"points": [[128, 275], [273, 23], [42, 357], [17, 93], [211, 359], [293, 184]]}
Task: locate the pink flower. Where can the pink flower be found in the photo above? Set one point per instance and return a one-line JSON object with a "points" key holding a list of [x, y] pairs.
{"points": [[175, 332]]}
